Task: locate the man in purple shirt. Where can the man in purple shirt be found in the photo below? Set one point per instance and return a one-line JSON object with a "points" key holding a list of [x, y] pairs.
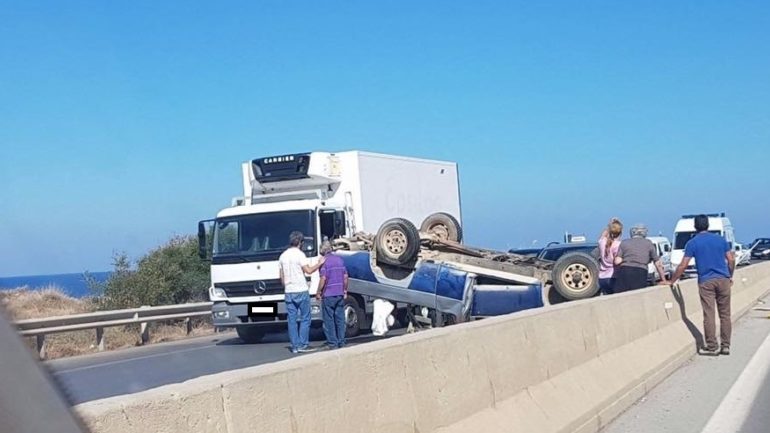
{"points": [[333, 289]]}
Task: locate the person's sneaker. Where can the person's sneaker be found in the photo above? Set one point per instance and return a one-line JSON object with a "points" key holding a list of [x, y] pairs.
{"points": [[725, 351], [713, 351], [294, 351], [306, 349]]}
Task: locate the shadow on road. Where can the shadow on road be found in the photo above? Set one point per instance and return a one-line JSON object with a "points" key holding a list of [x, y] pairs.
{"points": [[696, 334], [276, 334], [317, 338]]}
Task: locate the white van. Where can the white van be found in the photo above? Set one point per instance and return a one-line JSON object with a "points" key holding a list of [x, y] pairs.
{"points": [[663, 247], [685, 230]]}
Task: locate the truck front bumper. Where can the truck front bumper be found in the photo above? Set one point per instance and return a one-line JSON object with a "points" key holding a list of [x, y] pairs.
{"points": [[230, 315]]}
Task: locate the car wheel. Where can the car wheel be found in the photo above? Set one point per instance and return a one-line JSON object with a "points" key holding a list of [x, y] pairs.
{"points": [[576, 276], [444, 226], [397, 242]]}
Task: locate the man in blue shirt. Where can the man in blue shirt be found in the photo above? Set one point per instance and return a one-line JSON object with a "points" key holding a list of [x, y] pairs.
{"points": [[715, 262]]}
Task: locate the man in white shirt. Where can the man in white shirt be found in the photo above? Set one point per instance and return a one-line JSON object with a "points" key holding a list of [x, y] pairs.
{"points": [[293, 266]]}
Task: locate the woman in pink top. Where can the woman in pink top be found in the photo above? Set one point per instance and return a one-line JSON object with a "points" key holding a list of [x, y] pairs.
{"points": [[609, 244]]}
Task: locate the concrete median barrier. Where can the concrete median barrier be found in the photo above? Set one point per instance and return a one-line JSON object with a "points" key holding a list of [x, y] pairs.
{"points": [[567, 368]]}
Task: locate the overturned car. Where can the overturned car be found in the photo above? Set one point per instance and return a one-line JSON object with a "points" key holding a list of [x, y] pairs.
{"points": [[442, 281]]}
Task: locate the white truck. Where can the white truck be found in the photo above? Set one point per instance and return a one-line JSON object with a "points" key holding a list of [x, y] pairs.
{"points": [[323, 195]]}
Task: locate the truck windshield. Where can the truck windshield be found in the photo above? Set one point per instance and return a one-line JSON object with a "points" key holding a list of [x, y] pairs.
{"points": [[683, 237], [260, 237]]}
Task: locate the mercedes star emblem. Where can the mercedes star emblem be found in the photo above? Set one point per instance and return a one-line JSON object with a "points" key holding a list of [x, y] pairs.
{"points": [[260, 287]]}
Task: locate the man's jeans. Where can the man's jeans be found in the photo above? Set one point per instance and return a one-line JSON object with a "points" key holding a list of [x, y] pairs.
{"points": [[711, 292], [334, 320], [298, 310]]}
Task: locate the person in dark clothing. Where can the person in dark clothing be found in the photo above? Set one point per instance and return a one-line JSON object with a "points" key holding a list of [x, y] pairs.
{"points": [[715, 262], [633, 259]]}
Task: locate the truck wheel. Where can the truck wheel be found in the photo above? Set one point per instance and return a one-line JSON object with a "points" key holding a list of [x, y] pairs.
{"points": [[444, 226], [251, 334], [354, 317], [397, 242], [576, 276]]}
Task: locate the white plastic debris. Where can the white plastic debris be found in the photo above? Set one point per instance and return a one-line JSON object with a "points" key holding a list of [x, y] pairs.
{"points": [[382, 320]]}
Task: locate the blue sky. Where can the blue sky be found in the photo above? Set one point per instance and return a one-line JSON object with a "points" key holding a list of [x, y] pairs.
{"points": [[122, 124]]}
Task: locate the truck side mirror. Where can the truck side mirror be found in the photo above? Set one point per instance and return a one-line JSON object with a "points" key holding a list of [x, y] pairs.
{"points": [[339, 223], [308, 243], [203, 239], [667, 248]]}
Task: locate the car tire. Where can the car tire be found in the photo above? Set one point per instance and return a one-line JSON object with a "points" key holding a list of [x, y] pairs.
{"points": [[576, 276], [397, 242], [444, 226], [251, 334]]}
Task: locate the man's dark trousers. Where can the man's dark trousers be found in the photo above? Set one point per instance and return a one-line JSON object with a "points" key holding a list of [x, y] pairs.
{"points": [[334, 320]]}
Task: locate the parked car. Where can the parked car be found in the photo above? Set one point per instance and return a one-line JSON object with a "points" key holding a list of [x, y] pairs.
{"points": [[759, 247]]}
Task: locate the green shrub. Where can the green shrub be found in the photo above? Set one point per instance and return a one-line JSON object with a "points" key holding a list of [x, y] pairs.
{"points": [[170, 274]]}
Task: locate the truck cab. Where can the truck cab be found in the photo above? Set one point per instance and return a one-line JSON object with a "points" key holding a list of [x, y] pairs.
{"points": [[246, 242]]}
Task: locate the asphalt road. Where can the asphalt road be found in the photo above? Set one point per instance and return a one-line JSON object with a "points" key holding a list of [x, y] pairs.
{"points": [[721, 394], [107, 374]]}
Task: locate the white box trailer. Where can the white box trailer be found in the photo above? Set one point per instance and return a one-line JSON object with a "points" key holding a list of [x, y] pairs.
{"points": [[372, 187], [324, 195]]}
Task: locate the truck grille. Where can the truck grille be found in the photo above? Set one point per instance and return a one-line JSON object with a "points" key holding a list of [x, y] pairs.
{"points": [[251, 288]]}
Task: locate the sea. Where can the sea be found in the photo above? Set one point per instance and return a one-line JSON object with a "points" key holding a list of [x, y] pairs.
{"points": [[72, 284]]}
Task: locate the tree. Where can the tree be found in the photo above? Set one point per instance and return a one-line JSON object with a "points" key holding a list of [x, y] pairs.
{"points": [[169, 274]]}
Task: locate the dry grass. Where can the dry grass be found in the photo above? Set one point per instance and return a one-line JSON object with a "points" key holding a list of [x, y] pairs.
{"points": [[23, 303]]}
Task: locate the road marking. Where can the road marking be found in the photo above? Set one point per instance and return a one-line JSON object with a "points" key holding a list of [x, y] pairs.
{"points": [[737, 404], [123, 361]]}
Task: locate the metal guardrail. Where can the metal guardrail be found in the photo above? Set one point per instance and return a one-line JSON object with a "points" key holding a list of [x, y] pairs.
{"points": [[99, 320]]}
